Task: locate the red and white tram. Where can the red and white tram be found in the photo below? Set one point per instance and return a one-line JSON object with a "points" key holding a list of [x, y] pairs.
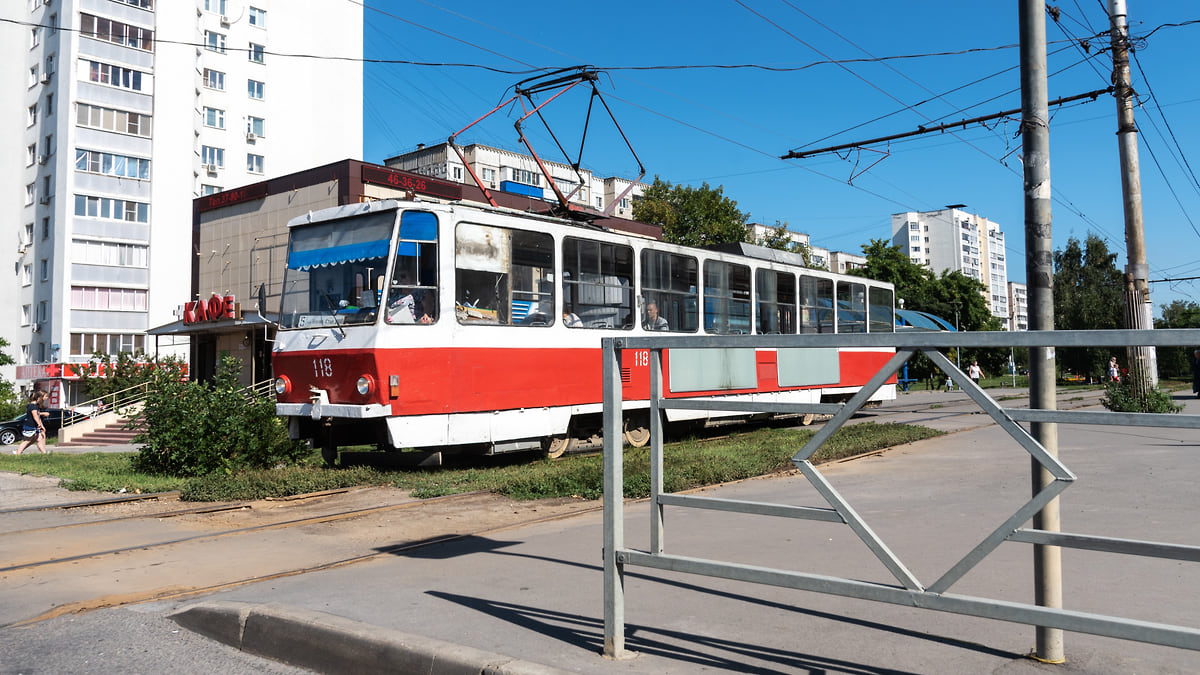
{"points": [[415, 324]]}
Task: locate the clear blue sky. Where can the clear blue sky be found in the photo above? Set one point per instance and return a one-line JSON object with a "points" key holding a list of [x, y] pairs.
{"points": [[728, 126]]}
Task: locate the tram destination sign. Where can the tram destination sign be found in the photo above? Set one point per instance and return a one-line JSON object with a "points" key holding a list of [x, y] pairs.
{"points": [[406, 181]]}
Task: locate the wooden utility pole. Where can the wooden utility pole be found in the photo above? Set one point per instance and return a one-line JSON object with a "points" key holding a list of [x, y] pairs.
{"points": [[1143, 361], [1039, 277]]}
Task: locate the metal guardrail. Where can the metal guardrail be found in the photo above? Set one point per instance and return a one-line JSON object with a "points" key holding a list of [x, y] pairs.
{"points": [[911, 592]]}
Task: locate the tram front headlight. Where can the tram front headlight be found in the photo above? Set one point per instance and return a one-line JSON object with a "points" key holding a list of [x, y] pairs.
{"points": [[365, 385], [283, 385]]}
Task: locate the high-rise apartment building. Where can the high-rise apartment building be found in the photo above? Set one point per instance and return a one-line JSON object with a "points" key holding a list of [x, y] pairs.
{"points": [[125, 111], [952, 239]]}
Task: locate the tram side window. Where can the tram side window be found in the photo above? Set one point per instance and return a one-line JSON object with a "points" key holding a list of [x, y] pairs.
{"points": [[816, 305], [726, 297], [503, 277], [880, 314], [776, 293], [669, 282], [413, 292], [597, 284], [852, 307]]}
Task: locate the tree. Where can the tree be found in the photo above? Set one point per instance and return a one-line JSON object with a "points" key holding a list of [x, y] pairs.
{"points": [[778, 238], [1087, 296], [10, 404], [692, 216], [1177, 361], [952, 296]]}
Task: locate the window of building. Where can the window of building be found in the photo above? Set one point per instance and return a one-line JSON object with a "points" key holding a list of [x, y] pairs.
{"points": [[914, 226], [254, 163], [26, 314], [142, 4], [598, 283], [215, 6], [116, 32], [30, 194], [214, 79], [504, 276], [35, 37], [109, 164], [775, 302], [26, 274], [33, 76], [258, 17], [669, 282], [209, 189], [86, 344], [109, 208], [49, 103], [109, 119], [120, 299], [46, 227], [523, 176], [488, 174], [45, 270], [116, 254], [256, 126], [726, 297], [30, 154], [31, 115], [214, 117], [458, 174], [599, 202], [212, 155], [53, 21], [116, 76], [214, 41], [257, 53], [254, 89]]}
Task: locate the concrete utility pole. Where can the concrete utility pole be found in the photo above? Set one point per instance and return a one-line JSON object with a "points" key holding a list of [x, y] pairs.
{"points": [[1143, 361], [1039, 277]]}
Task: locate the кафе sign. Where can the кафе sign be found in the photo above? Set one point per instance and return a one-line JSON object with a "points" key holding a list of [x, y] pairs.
{"points": [[215, 308]]}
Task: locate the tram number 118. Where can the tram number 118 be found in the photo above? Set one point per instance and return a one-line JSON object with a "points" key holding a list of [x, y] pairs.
{"points": [[641, 358], [323, 367]]}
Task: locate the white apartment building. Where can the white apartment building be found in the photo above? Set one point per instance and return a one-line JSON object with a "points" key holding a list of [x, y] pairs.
{"points": [[518, 173], [952, 239], [125, 111], [1018, 304]]}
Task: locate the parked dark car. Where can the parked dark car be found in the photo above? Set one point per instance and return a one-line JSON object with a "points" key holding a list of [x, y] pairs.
{"points": [[10, 431]]}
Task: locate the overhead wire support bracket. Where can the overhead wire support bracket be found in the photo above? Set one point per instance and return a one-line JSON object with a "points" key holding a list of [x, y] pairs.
{"points": [[794, 154], [560, 82]]}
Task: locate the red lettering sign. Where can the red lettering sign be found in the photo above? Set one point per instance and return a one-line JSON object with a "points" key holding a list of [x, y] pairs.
{"points": [[215, 308]]}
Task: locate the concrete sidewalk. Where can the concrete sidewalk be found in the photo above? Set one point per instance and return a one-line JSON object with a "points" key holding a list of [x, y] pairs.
{"points": [[531, 598]]}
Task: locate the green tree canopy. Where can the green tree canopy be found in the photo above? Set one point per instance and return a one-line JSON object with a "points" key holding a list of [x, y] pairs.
{"points": [[1177, 361], [692, 216], [10, 405], [1087, 296], [952, 296]]}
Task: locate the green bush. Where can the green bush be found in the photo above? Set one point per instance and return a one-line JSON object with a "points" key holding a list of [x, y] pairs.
{"points": [[1121, 396], [202, 428]]}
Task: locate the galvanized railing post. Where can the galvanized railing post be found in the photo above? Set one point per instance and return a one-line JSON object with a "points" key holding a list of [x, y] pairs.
{"points": [[614, 494]]}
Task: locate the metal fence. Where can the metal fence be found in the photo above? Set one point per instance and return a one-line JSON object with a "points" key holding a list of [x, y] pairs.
{"points": [[909, 591]]}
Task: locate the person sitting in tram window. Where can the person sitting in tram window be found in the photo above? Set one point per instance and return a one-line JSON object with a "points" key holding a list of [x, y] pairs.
{"points": [[409, 305], [653, 321], [571, 319]]}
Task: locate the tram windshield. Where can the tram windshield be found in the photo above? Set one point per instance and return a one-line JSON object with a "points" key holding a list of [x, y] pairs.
{"points": [[335, 270]]}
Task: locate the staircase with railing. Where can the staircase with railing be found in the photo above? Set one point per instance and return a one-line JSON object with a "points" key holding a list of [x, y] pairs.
{"points": [[118, 416]]}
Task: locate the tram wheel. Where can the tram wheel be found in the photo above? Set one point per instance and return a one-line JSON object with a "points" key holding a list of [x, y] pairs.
{"points": [[555, 446], [637, 436]]}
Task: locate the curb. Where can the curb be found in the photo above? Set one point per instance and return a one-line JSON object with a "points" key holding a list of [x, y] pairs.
{"points": [[328, 643]]}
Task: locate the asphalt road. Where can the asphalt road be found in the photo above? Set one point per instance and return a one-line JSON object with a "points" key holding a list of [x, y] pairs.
{"points": [[534, 593]]}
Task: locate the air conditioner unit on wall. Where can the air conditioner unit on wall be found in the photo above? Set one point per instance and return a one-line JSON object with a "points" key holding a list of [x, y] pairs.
{"points": [[45, 199], [36, 327], [224, 20], [46, 78], [251, 136], [42, 159], [211, 168]]}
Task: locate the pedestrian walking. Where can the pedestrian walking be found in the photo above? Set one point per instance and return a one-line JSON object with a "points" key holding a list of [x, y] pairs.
{"points": [[32, 428]]}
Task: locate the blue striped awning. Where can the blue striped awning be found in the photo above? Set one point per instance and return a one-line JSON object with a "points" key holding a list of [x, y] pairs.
{"points": [[322, 257]]}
